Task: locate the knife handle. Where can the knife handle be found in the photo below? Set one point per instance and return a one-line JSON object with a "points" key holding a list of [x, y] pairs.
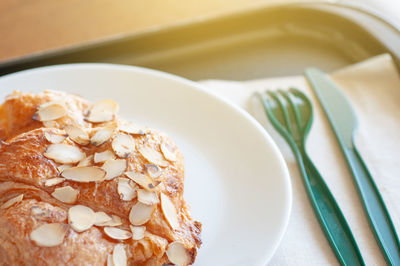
{"points": [[329, 214], [375, 207]]}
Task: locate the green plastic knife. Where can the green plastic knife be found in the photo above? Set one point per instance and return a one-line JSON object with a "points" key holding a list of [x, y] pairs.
{"points": [[344, 123]]}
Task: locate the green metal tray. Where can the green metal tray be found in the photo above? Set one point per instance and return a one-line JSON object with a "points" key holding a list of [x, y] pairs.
{"points": [[274, 40]]}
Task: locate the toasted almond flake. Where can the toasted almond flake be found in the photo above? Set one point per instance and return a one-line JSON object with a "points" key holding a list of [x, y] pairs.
{"points": [[177, 254], [86, 161], [102, 111], [123, 145], [114, 168], [81, 218], [140, 213], [54, 138], [168, 151], [50, 111], [153, 156], [126, 189], [64, 153], [115, 221], [49, 235], [169, 211], [54, 181], [84, 174], [101, 136], [131, 129], [50, 124], [77, 134], [66, 194], [63, 167], [147, 197], [154, 185], [137, 232], [109, 260], [100, 157], [153, 170], [119, 256], [12, 201], [101, 218], [142, 180], [117, 233]]}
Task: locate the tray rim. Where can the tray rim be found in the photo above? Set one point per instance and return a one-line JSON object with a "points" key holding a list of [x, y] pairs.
{"points": [[119, 38]]}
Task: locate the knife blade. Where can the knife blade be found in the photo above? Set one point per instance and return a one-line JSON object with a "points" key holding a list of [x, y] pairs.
{"points": [[344, 124]]}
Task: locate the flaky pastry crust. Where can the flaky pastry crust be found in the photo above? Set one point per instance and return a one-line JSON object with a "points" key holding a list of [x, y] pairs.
{"points": [[24, 169]]}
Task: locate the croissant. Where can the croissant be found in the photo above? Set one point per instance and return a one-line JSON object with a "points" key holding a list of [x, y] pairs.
{"points": [[80, 186]]}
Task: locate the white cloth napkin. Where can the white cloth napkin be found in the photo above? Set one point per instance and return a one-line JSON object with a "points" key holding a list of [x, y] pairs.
{"points": [[373, 87]]}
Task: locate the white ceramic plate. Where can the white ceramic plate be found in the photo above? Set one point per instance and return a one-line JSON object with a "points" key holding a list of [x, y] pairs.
{"points": [[236, 180]]}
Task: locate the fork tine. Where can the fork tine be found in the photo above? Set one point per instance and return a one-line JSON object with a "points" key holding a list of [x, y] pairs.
{"points": [[272, 116], [301, 95], [295, 109], [281, 105]]}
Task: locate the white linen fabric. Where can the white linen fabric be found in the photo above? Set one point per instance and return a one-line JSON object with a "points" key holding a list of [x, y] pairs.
{"points": [[373, 87]]}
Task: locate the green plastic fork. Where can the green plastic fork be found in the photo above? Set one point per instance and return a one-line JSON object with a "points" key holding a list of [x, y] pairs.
{"points": [[291, 114]]}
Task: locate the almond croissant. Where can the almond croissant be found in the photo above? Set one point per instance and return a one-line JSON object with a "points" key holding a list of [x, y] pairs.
{"points": [[79, 186]]}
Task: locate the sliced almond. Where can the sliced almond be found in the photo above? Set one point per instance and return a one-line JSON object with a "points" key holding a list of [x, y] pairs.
{"points": [[101, 218], [123, 145], [140, 213], [178, 254], [147, 197], [115, 221], [100, 157], [86, 161], [54, 181], [49, 235], [154, 184], [81, 218], [101, 136], [153, 156], [126, 189], [84, 174], [153, 170], [114, 168], [50, 111], [131, 129], [168, 151], [64, 153], [119, 257], [137, 232], [66, 194], [54, 138], [102, 111], [116, 233], [142, 180], [50, 124], [63, 167], [169, 211], [12, 201], [77, 134]]}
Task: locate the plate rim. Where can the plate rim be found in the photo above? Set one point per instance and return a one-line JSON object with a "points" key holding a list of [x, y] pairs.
{"points": [[207, 91]]}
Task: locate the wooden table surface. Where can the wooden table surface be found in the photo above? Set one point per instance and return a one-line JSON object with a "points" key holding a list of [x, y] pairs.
{"points": [[29, 26]]}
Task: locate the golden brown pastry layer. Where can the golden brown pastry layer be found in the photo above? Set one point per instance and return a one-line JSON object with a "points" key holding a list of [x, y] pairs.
{"points": [[26, 166]]}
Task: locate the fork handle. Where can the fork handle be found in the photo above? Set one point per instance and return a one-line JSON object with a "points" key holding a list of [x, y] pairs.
{"points": [[374, 205], [329, 214]]}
